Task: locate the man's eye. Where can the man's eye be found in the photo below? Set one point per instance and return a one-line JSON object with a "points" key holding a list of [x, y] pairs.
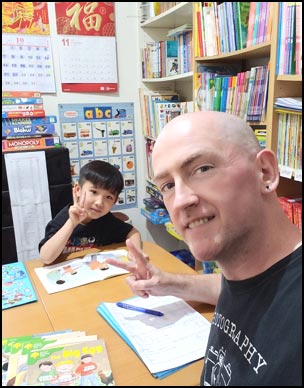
{"points": [[203, 169], [166, 187], [93, 191]]}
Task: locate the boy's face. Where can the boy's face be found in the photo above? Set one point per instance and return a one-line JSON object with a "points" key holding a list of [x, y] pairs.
{"points": [[97, 201]]}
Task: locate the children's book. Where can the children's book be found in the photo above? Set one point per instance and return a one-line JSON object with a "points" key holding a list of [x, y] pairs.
{"points": [[82, 364], [18, 367], [77, 272], [17, 288]]}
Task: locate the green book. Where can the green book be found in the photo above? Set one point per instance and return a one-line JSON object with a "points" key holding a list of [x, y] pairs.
{"points": [[217, 93], [242, 15]]}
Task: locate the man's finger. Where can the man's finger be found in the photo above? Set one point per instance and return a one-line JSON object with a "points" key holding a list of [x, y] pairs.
{"points": [[127, 265], [141, 259]]}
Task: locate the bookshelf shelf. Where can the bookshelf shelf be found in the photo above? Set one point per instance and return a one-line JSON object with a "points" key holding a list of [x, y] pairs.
{"points": [[173, 17], [260, 50], [179, 77], [290, 78]]}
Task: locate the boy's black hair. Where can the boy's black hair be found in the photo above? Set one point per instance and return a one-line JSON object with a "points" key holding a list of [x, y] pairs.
{"points": [[102, 175]]}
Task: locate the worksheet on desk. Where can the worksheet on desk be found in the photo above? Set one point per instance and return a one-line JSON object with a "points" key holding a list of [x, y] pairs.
{"points": [[178, 337]]}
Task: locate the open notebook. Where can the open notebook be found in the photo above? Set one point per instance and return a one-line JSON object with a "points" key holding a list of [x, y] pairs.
{"points": [[164, 343]]}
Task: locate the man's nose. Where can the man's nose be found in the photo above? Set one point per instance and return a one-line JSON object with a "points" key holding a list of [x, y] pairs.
{"points": [[184, 195]]}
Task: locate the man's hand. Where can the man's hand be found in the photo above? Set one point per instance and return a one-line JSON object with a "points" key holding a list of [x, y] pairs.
{"points": [[144, 280]]}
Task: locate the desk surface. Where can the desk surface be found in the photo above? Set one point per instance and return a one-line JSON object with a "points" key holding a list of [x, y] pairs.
{"points": [[76, 309]]}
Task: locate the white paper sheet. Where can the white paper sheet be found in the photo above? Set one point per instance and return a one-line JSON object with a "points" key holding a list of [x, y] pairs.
{"points": [[175, 339], [30, 200]]}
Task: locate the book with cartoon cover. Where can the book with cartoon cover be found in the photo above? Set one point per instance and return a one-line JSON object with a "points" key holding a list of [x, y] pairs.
{"points": [[17, 288], [77, 272], [82, 364]]}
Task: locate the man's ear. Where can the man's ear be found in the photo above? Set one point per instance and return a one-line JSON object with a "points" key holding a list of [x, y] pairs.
{"points": [[269, 170]]}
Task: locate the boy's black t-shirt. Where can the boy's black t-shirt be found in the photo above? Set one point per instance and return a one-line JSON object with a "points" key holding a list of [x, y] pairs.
{"points": [[105, 230]]}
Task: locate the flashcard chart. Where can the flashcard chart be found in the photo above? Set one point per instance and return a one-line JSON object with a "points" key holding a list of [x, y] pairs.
{"points": [[102, 132]]}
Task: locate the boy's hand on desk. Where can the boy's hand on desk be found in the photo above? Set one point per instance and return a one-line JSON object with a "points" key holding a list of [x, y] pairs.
{"points": [[145, 278]]}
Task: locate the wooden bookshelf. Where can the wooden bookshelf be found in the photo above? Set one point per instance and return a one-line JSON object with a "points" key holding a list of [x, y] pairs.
{"points": [[278, 86], [156, 29], [262, 53]]}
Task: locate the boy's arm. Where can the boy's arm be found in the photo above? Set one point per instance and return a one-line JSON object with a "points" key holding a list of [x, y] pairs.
{"points": [[55, 245], [52, 248]]}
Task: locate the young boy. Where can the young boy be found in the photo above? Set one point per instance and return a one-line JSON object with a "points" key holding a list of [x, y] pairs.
{"points": [[88, 222]]}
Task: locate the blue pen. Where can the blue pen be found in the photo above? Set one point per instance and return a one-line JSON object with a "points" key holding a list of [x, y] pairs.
{"points": [[141, 309]]}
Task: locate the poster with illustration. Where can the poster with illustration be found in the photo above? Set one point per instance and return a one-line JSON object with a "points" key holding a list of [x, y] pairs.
{"points": [[102, 132]]}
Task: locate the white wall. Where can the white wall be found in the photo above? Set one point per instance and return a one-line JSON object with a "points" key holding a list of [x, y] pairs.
{"points": [[129, 73]]}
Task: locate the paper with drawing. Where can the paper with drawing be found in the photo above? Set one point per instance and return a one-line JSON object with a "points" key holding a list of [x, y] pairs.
{"points": [[74, 273]]}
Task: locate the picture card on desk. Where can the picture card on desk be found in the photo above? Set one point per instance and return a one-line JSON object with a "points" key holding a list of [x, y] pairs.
{"points": [[164, 343], [73, 273], [17, 288]]}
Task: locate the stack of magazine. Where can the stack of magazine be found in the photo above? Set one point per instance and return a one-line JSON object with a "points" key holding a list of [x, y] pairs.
{"points": [[58, 358], [164, 343], [289, 103]]}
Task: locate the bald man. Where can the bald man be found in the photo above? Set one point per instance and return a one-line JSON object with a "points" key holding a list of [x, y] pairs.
{"points": [[219, 188]]}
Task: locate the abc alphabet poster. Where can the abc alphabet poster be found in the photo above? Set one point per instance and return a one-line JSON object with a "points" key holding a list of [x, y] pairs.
{"points": [[102, 132]]}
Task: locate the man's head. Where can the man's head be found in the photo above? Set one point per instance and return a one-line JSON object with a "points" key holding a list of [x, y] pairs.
{"points": [[214, 179]]}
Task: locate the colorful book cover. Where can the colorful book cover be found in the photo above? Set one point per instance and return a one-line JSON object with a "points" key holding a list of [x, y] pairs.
{"points": [[17, 366], [243, 16], [19, 94], [77, 272], [171, 57], [30, 143], [30, 120], [27, 130], [83, 364], [17, 288], [23, 113], [22, 100]]}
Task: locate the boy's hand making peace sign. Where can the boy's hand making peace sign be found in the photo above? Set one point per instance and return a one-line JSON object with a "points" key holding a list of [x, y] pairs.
{"points": [[77, 212]]}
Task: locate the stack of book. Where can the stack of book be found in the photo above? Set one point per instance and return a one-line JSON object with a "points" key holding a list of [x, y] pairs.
{"points": [[57, 358], [25, 125], [292, 207]]}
